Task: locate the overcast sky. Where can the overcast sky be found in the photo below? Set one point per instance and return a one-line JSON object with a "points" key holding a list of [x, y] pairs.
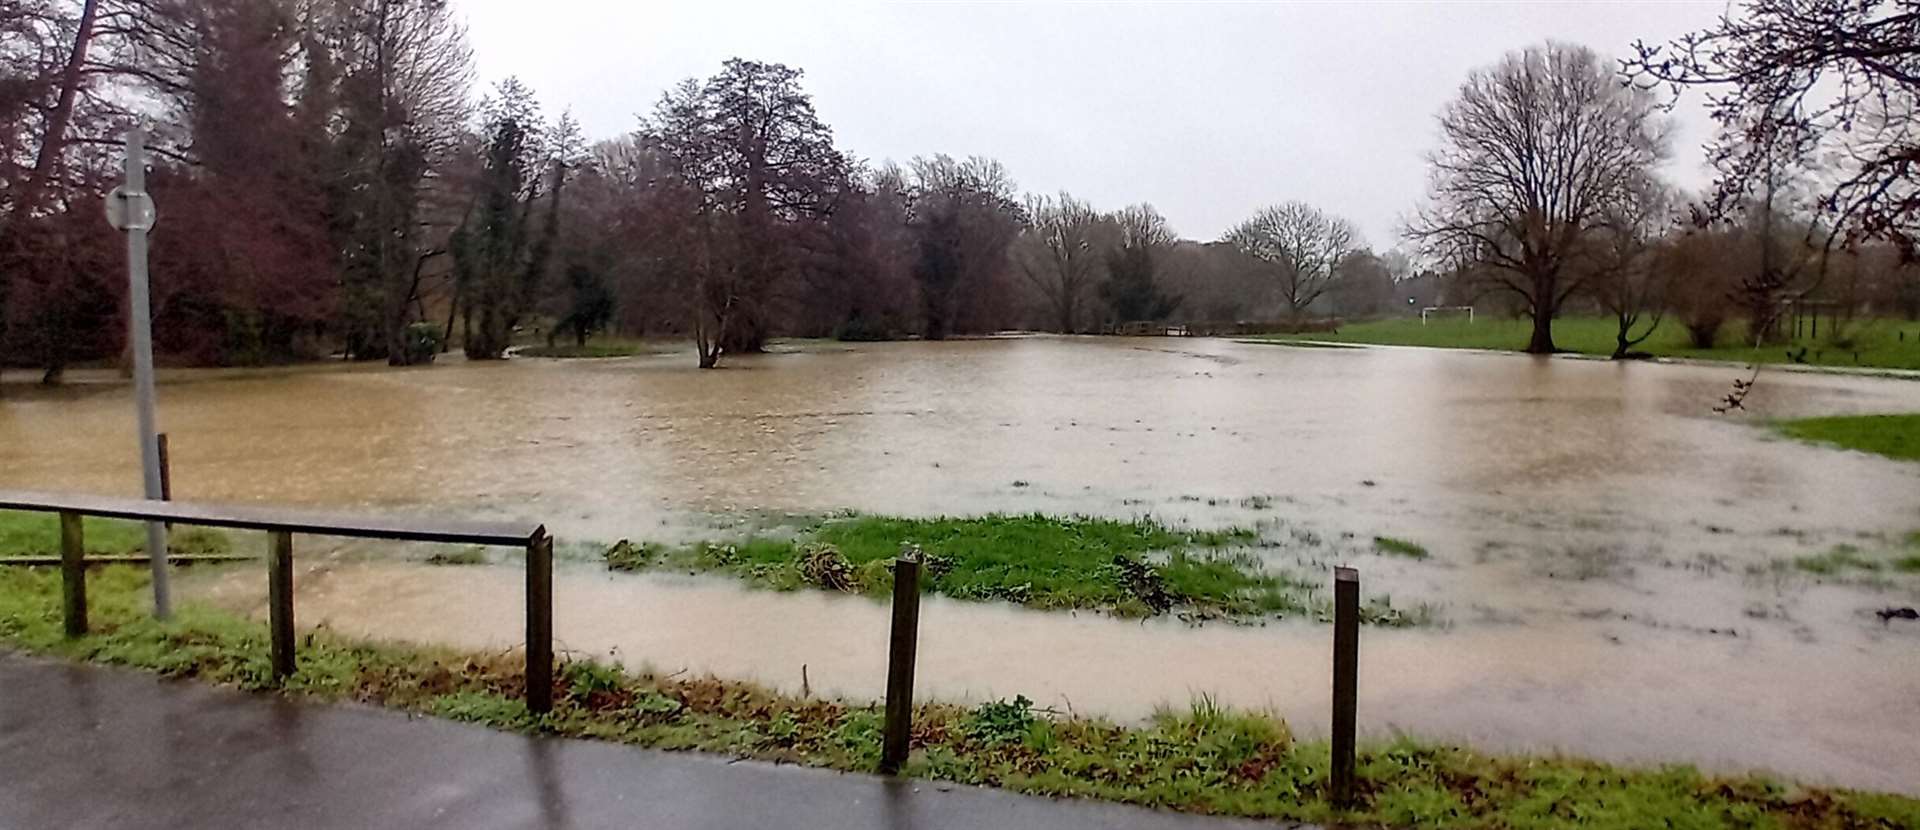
{"points": [[1208, 111]]}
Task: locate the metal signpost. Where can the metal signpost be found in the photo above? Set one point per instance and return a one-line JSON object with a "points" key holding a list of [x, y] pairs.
{"points": [[130, 209]]}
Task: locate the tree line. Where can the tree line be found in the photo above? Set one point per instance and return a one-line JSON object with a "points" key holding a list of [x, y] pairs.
{"points": [[330, 182], [1544, 188]]}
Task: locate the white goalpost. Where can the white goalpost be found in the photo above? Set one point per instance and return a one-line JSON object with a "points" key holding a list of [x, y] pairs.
{"points": [[1445, 311]]}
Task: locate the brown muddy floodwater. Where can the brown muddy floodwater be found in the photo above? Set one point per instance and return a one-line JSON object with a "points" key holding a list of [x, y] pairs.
{"points": [[1602, 544]]}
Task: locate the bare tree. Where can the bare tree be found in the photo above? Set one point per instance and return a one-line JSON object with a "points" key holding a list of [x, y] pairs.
{"points": [[1303, 244], [1535, 152], [1706, 264], [1790, 250], [748, 140], [1362, 284], [395, 85], [1627, 276], [50, 94], [41, 63], [962, 217], [1790, 78], [1060, 253], [1134, 262]]}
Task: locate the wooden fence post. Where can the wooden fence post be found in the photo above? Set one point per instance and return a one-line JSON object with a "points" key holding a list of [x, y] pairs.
{"points": [[540, 622], [73, 574], [901, 650], [280, 603], [166, 474], [1346, 659], [166, 470]]}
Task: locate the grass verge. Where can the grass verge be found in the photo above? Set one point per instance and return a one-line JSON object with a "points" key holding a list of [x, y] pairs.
{"points": [[26, 533], [1894, 436], [1133, 568], [1876, 343], [1202, 758]]}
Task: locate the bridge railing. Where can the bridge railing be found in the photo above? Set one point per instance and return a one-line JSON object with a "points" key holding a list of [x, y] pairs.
{"points": [[280, 525]]}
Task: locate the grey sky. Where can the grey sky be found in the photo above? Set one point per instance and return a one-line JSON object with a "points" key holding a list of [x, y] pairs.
{"points": [[1208, 111]]}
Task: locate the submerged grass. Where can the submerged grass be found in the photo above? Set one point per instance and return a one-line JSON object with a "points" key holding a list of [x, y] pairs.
{"points": [[1879, 343], [28, 533], [1204, 759], [1894, 436], [1840, 559], [465, 556], [1135, 568], [1399, 547], [1899, 556]]}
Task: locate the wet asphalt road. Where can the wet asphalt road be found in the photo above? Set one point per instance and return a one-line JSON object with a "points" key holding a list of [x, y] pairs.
{"points": [[91, 747]]}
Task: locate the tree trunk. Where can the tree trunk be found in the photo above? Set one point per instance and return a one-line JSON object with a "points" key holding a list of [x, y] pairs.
{"points": [[54, 141], [396, 345], [1542, 340], [1544, 304], [446, 337]]}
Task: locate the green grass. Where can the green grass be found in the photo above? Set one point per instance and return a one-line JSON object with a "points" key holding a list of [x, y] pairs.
{"points": [[1399, 547], [1894, 436], [1900, 556], [1203, 758], [1839, 560], [1877, 341], [25, 533], [599, 347], [1137, 567]]}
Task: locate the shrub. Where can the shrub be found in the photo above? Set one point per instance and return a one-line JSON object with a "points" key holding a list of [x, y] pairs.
{"points": [[420, 343], [864, 330], [1000, 721]]}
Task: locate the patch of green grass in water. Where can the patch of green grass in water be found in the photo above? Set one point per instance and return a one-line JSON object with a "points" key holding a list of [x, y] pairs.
{"points": [[1894, 436], [28, 533], [1204, 759], [1399, 547], [1845, 559], [1033, 560], [1878, 341], [1840, 559], [1235, 585]]}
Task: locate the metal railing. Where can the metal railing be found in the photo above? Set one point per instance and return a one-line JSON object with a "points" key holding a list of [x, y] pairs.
{"points": [[280, 525]]}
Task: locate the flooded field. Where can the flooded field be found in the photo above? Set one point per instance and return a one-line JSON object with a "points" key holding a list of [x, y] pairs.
{"points": [[1610, 560]]}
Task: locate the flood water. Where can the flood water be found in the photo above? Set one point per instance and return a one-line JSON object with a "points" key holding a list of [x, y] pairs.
{"points": [[1592, 524]]}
